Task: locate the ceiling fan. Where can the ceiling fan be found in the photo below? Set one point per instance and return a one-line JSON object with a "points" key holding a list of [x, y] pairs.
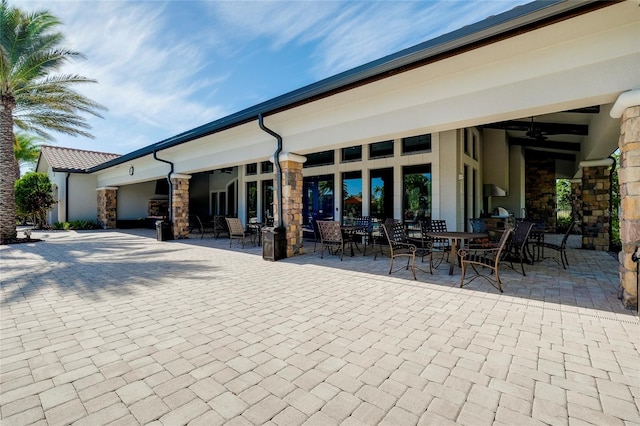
{"points": [[534, 132]]}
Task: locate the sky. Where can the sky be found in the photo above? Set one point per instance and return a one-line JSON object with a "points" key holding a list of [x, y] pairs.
{"points": [[165, 67]]}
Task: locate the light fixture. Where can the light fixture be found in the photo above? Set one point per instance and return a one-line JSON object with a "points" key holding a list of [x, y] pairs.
{"points": [[535, 132]]}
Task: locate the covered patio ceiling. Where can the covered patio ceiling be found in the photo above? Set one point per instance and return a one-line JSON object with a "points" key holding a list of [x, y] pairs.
{"points": [[574, 135]]}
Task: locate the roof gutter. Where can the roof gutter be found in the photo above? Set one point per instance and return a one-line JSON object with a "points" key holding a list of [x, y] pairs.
{"points": [[276, 162], [516, 21], [169, 213]]}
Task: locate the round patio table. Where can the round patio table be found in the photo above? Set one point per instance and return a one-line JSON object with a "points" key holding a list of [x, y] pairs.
{"points": [[456, 236]]}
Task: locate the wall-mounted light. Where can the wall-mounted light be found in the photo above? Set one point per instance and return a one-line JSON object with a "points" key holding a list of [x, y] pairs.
{"points": [[131, 170]]}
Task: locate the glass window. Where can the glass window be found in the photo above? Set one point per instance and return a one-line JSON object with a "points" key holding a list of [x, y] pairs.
{"points": [[252, 200], [351, 196], [323, 158], [413, 144], [267, 199], [266, 167], [353, 153], [381, 193], [252, 169], [417, 192], [381, 149]]}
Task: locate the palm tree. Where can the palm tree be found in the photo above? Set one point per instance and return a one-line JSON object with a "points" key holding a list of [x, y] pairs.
{"points": [[32, 98], [26, 149]]}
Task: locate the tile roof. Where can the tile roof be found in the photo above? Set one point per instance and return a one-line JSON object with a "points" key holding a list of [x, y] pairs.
{"points": [[60, 158]]}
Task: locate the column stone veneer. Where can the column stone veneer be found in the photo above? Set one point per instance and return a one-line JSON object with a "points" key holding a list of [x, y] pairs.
{"points": [[107, 207], [629, 180], [291, 219], [180, 205], [596, 205]]}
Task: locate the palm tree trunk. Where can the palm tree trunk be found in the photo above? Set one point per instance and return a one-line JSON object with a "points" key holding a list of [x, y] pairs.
{"points": [[7, 172]]}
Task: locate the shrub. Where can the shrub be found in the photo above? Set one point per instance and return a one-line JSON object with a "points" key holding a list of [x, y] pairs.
{"points": [[76, 225], [34, 197]]}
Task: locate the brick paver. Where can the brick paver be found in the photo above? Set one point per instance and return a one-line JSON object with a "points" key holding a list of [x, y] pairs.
{"points": [[108, 327]]}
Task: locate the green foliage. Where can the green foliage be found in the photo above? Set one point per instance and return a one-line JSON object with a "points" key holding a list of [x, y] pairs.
{"points": [[615, 201], [34, 197], [26, 148], [76, 225], [563, 194]]}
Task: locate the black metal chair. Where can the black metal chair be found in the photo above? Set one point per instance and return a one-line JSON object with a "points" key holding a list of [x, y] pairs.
{"points": [[401, 246], [365, 232], [517, 247], [561, 248], [488, 258], [442, 246], [202, 227]]}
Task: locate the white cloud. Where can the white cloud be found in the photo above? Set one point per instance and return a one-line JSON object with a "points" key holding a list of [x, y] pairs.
{"points": [[148, 76], [162, 66]]}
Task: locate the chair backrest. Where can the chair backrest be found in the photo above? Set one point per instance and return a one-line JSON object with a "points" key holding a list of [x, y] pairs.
{"points": [[314, 225], [502, 243], [566, 234], [365, 222], [235, 226], [478, 225], [329, 231], [395, 233], [521, 234], [438, 225]]}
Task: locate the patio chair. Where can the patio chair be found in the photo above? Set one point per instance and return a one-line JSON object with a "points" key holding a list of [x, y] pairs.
{"points": [[203, 227], [489, 258], [479, 225], [366, 232], [236, 231], [330, 237], [220, 226], [442, 246], [517, 247], [561, 248], [401, 246], [313, 228]]}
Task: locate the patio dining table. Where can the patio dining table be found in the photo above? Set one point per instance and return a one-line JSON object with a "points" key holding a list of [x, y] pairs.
{"points": [[350, 231], [457, 238]]}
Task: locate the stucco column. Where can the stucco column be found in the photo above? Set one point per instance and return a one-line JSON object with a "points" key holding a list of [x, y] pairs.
{"points": [[180, 205], [627, 107], [107, 206], [596, 204], [291, 165]]}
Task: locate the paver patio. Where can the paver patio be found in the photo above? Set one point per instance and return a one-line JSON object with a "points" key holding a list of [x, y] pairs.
{"points": [[109, 327]]}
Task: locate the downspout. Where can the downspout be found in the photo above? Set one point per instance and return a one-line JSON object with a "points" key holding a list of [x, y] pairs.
{"points": [[66, 197], [169, 213], [276, 160]]}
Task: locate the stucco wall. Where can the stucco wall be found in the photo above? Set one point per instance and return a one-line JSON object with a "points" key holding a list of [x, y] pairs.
{"points": [[132, 200], [83, 201]]}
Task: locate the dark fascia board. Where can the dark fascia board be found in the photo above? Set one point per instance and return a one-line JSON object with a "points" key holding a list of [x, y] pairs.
{"points": [[514, 21]]}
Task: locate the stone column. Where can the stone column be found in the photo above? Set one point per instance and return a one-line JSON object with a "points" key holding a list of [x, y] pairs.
{"points": [[540, 189], [180, 205], [291, 165], [627, 107], [107, 207], [576, 199], [596, 204]]}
